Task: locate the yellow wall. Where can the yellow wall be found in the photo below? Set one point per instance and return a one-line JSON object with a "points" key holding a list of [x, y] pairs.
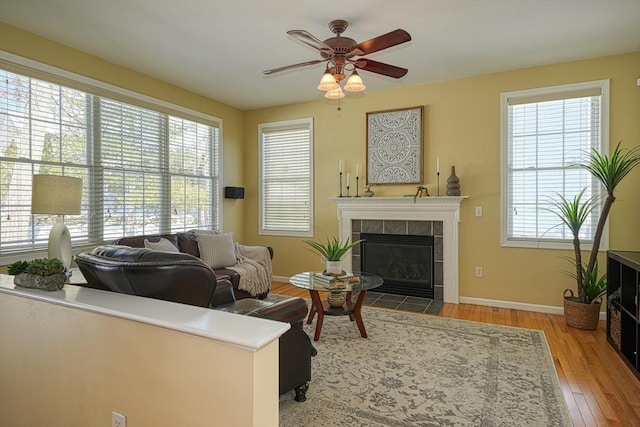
{"points": [[462, 127], [462, 121], [61, 366], [29, 45]]}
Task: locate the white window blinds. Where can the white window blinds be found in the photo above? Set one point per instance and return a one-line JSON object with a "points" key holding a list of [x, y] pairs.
{"points": [[286, 178], [547, 134], [43, 130], [132, 165], [194, 156]]}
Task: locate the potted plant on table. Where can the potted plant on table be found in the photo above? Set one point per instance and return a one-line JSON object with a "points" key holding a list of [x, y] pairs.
{"points": [[333, 250], [583, 310], [43, 273]]}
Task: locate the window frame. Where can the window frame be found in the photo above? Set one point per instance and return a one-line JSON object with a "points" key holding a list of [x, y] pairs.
{"points": [[553, 92], [308, 122], [94, 88]]}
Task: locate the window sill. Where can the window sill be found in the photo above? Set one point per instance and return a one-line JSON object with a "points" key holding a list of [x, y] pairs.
{"points": [[532, 244]]}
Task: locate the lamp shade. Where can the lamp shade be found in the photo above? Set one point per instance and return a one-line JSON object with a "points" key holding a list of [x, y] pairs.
{"points": [[354, 83], [328, 82], [55, 194], [334, 94]]}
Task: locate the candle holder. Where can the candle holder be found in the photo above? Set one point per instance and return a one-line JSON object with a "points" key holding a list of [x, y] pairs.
{"points": [[347, 190], [438, 184], [340, 184], [357, 186]]}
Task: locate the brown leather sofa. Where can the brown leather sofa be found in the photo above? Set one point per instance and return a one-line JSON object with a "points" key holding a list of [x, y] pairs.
{"points": [[183, 278], [187, 242]]}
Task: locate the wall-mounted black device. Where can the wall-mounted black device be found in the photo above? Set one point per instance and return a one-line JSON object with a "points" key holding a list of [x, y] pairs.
{"points": [[234, 192]]}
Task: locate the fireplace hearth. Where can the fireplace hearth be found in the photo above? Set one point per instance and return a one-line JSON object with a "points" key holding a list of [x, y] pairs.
{"points": [[405, 262]]}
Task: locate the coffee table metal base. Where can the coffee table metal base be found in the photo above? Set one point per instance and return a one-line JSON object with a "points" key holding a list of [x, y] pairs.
{"points": [[322, 308]]}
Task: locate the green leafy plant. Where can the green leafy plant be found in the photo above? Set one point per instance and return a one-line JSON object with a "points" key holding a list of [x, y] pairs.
{"points": [[594, 284], [17, 267], [40, 267], [332, 249], [609, 170]]}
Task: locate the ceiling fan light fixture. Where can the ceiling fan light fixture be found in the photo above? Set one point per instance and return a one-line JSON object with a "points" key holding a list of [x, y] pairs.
{"points": [[334, 94], [355, 83], [328, 82]]}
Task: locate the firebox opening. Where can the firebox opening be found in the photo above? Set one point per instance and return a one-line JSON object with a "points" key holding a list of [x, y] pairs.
{"points": [[405, 262]]}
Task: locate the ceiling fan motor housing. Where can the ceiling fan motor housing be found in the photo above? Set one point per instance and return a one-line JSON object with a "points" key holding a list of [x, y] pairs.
{"points": [[338, 26]]}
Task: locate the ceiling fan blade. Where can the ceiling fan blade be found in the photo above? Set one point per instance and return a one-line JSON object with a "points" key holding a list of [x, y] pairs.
{"points": [[381, 68], [311, 40], [382, 42], [289, 67]]}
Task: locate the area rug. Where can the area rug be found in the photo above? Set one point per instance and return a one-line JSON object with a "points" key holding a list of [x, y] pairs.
{"points": [[422, 370]]}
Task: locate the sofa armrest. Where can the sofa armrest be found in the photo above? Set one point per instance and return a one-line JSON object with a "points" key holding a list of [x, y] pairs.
{"points": [[223, 293], [291, 310]]}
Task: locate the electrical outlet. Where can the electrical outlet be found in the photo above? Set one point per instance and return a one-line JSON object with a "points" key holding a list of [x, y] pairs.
{"points": [[478, 211], [118, 420], [479, 272]]}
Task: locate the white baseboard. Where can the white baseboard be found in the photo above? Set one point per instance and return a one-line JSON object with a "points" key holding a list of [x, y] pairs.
{"points": [[519, 306], [539, 308]]}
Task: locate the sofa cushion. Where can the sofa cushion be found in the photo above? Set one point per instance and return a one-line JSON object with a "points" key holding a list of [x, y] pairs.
{"points": [[169, 276], [188, 243], [161, 245], [217, 250], [138, 241]]}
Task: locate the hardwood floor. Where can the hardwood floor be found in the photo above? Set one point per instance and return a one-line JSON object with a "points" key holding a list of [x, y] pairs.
{"points": [[600, 390]]}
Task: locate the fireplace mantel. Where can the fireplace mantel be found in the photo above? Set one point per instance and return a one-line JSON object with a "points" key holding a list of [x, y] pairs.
{"points": [[445, 209]]}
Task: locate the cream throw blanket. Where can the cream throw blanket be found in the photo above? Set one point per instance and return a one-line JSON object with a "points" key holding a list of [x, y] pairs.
{"points": [[254, 267]]}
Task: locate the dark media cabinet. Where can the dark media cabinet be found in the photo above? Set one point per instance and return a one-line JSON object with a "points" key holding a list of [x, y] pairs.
{"points": [[623, 289]]}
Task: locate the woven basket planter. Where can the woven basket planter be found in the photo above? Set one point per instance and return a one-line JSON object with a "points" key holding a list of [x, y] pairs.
{"points": [[614, 326], [579, 315]]}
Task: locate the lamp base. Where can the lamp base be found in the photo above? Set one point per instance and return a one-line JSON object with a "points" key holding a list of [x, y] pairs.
{"points": [[60, 243]]}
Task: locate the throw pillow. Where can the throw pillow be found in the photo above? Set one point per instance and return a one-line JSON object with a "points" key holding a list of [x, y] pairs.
{"points": [[217, 250], [161, 245]]}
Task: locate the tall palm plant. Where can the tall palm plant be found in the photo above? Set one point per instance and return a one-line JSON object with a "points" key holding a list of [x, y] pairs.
{"points": [[609, 170]]}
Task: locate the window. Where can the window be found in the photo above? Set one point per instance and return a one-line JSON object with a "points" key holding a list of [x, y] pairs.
{"points": [[143, 171], [546, 134], [286, 187]]}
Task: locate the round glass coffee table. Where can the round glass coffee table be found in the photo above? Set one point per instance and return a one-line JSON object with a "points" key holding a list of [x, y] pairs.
{"points": [[339, 301]]}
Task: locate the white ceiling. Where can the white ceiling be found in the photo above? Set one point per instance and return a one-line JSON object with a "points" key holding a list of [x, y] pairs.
{"points": [[220, 48]]}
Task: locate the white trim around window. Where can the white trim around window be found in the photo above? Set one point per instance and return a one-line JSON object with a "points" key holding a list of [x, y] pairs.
{"points": [[545, 133]]}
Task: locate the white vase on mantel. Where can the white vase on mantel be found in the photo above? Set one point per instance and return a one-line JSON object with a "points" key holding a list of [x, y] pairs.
{"points": [[333, 267]]}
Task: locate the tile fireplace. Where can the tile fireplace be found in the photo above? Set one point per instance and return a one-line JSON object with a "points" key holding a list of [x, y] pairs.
{"points": [[434, 217]]}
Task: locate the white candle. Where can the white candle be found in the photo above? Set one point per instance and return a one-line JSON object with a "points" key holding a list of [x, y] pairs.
{"points": [[340, 166], [357, 171], [438, 165], [347, 179]]}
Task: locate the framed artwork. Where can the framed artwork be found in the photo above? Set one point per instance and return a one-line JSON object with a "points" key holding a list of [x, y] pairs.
{"points": [[394, 146]]}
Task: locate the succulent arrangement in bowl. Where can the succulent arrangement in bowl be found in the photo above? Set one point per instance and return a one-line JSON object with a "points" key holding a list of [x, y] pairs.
{"points": [[42, 273], [333, 250]]}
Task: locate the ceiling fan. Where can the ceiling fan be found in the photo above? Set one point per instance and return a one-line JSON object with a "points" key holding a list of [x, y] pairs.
{"points": [[340, 55]]}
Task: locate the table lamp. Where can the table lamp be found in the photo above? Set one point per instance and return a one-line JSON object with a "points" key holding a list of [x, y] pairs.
{"points": [[57, 195]]}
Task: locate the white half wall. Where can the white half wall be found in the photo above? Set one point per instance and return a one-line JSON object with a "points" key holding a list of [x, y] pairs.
{"points": [[66, 366]]}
